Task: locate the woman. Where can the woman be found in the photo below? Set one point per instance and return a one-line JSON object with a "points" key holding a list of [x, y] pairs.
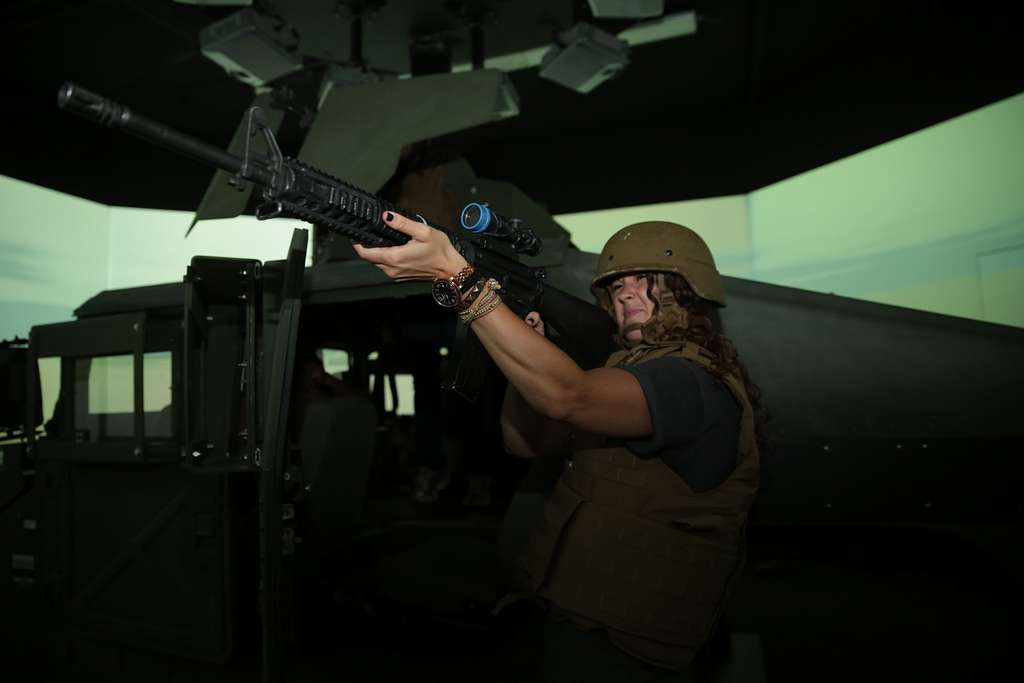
{"points": [[643, 534]]}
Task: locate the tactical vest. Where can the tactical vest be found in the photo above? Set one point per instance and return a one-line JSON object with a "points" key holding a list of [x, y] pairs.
{"points": [[625, 544]]}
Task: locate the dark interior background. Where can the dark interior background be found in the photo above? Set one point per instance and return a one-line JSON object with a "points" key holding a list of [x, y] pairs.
{"points": [[882, 548], [761, 92]]}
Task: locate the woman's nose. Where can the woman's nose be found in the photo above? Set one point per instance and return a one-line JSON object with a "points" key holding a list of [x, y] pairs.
{"points": [[627, 291]]}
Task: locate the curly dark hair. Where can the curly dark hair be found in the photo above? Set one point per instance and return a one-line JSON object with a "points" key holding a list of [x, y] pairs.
{"points": [[681, 315]]}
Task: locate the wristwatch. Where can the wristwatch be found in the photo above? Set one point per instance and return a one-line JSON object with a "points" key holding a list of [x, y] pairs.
{"points": [[448, 291]]}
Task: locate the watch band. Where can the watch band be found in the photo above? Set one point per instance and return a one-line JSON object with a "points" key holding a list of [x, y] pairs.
{"points": [[464, 279]]}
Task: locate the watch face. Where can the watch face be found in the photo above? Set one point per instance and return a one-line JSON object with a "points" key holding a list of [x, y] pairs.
{"points": [[445, 293]]}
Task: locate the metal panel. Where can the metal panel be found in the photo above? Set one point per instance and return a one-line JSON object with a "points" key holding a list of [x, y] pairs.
{"points": [[222, 314], [349, 139], [881, 415], [133, 299], [837, 368], [272, 464], [19, 404], [25, 611], [138, 556], [85, 341], [91, 337]]}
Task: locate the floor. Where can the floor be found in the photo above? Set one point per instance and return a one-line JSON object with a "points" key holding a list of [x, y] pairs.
{"points": [[411, 600]]}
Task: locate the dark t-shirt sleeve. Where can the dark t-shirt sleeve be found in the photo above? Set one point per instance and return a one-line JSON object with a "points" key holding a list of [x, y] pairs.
{"points": [[694, 420]]}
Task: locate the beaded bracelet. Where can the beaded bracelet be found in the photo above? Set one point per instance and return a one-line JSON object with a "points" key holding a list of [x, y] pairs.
{"points": [[484, 309], [485, 302], [486, 299], [470, 297]]}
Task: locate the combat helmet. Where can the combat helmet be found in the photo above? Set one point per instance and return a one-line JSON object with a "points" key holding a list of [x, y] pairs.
{"points": [[659, 246]]}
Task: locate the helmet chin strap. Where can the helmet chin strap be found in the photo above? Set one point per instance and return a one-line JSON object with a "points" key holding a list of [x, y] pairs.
{"points": [[623, 340]]}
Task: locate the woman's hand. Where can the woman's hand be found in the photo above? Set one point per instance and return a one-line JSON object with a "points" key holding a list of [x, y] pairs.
{"points": [[427, 255]]}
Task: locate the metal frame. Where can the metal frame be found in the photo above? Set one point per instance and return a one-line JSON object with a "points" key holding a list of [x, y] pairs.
{"points": [[120, 334], [272, 462], [219, 292]]}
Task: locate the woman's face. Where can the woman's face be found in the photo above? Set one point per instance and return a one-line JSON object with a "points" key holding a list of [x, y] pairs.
{"points": [[630, 303]]}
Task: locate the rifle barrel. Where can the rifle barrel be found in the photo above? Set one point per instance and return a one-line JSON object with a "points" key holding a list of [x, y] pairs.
{"points": [[107, 112]]}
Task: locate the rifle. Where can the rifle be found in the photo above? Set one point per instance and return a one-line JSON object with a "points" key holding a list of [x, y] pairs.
{"points": [[293, 189]]}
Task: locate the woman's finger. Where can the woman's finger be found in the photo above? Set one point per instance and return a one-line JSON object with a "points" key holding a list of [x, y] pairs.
{"points": [[371, 254], [415, 229], [534, 320], [379, 256]]}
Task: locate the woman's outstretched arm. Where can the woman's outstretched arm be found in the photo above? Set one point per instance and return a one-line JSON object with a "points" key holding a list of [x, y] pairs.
{"points": [[606, 401]]}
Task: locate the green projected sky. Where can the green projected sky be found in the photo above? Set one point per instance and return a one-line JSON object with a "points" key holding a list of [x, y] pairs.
{"points": [[56, 250], [934, 220]]}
